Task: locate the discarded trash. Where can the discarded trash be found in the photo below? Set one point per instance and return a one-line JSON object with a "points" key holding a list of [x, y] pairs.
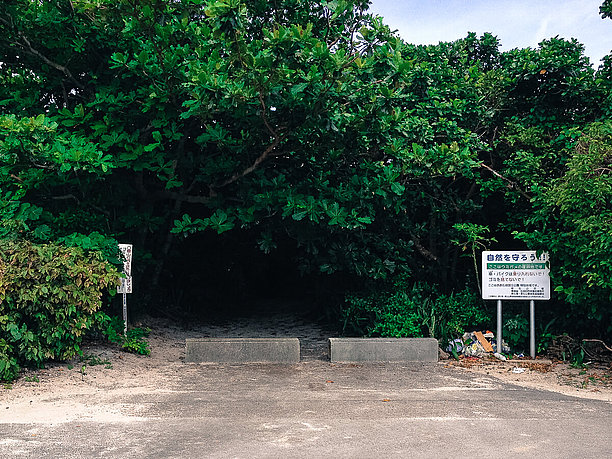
{"points": [[475, 344], [518, 370], [473, 347], [500, 356], [483, 341], [504, 347], [455, 345]]}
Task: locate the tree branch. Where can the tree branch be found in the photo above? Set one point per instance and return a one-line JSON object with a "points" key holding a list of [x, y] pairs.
{"points": [[265, 118], [261, 158], [180, 197], [29, 48], [422, 250], [512, 183], [252, 167], [598, 341], [602, 170], [66, 196]]}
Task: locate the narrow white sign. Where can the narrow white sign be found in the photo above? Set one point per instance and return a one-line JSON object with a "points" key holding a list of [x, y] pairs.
{"points": [[515, 275], [126, 283]]}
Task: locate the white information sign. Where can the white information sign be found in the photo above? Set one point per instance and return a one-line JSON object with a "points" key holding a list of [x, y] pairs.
{"points": [[126, 283], [515, 275]]}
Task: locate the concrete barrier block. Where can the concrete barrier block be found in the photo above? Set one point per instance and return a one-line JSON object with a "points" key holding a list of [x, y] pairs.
{"points": [[242, 350], [383, 349]]}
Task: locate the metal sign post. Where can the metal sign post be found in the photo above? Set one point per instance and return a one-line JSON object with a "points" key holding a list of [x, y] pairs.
{"points": [[125, 317], [499, 327], [516, 275], [126, 282], [532, 350]]}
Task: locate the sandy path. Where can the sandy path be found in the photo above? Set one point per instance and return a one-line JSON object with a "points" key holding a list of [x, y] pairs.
{"points": [[79, 389]]}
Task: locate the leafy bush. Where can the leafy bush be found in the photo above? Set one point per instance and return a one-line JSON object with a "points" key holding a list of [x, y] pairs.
{"points": [[457, 313], [134, 341], [573, 220], [516, 331], [8, 362], [412, 310], [50, 296]]}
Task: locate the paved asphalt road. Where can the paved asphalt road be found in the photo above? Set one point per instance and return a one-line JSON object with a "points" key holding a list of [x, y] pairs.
{"points": [[317, 409]]}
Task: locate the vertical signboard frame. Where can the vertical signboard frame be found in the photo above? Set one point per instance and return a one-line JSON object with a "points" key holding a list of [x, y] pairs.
{"points": [[126, 283], [516, 275]]}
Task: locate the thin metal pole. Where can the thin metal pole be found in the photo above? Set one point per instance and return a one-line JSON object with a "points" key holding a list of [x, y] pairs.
{"points": [[499, 327], [125, 314], [532, 348]]}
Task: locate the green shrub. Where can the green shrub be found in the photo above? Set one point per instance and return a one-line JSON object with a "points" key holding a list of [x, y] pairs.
{"points": [[8, 362], [572, 219], [134, 341], [389, 314], [516, 331], [50, 296], [412, 310], [457, 313]]}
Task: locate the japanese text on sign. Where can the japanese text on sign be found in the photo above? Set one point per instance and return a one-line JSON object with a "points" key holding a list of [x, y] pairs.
{"points": [[521, 275], [126, 283]]}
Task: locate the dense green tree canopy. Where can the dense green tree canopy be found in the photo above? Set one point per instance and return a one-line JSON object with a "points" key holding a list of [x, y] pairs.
{"points": [[201, 130]]}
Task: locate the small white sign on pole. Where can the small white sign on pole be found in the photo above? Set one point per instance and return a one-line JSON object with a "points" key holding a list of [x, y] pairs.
{"points": [[126, 283], [515, 275]]}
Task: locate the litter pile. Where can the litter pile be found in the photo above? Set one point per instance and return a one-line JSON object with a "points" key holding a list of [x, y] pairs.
{"points": [[477, 344]]}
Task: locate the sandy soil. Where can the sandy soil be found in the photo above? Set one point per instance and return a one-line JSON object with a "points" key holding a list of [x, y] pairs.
{"points": [[104, 368], [593, 382]]}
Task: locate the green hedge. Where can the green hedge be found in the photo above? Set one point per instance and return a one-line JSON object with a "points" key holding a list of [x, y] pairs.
{"points": [[50, 296], [406, 309]]}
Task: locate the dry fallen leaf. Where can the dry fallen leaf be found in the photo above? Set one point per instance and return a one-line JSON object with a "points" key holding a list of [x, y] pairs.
{"points": [[386, 399]]}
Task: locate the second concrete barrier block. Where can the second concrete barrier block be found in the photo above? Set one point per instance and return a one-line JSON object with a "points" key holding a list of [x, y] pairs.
{"points": [[383, 349]]}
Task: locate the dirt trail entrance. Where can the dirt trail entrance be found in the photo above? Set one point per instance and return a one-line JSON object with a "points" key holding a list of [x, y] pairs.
{"points": [[268, 319]]}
